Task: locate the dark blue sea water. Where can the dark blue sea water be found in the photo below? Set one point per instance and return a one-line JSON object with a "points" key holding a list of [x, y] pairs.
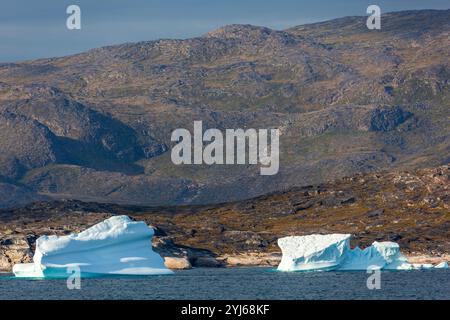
{"points": [[238, 283]]}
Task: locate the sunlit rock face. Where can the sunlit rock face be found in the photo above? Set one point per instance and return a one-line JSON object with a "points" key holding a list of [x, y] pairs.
{"points": [[116, 246], [332, 252]]}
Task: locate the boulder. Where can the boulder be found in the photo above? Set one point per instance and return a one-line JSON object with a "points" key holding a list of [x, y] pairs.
{"points": [[177, 263]]}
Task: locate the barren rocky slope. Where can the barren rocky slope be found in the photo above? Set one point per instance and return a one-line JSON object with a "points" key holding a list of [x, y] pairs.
{"points": [[411, 208], [96, 126]]}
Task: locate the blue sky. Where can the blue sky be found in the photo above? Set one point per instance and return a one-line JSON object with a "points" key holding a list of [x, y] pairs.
{"points": [[32, 29]]}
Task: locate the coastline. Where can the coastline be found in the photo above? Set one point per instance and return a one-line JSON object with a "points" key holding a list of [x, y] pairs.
{"points": [[408, 208], [266, 260], [272, 259], [19, 248]]}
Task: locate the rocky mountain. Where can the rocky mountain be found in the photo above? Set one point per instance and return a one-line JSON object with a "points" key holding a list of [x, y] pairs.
{"points": [[96, 126]]}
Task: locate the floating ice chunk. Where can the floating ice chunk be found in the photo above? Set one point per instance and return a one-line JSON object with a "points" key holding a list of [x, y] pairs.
{"points": [[422, 266], [442, 265], [117, 245], [380, 255], [358, 259], [333, 252], [28, 270], [390, 253], [314, 252]]}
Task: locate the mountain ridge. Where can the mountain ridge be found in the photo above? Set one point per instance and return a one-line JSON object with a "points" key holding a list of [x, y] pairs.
{"points": [[346, 99]]}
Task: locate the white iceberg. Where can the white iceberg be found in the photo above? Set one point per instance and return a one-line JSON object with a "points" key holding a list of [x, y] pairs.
{"points": [[332, 252], [314, 252], [116, 246], [442, 265]]}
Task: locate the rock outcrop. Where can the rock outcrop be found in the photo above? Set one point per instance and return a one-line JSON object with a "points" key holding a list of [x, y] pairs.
{"points": [[15, 249], [175, 263]]}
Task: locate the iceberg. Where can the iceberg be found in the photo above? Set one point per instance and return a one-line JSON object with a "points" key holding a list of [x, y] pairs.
{"points": [[116, 246], [314, 252], [442, 265], [333, 253]]}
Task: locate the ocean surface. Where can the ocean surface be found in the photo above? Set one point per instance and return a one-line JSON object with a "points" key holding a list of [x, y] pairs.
{"points": [[238, 283]]}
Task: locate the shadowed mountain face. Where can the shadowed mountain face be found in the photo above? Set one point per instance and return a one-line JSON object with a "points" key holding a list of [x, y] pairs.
{"points": [[96, 126]]}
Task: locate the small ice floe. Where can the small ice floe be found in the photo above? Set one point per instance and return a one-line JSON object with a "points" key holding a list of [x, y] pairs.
{"points": [[442, 265]]}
